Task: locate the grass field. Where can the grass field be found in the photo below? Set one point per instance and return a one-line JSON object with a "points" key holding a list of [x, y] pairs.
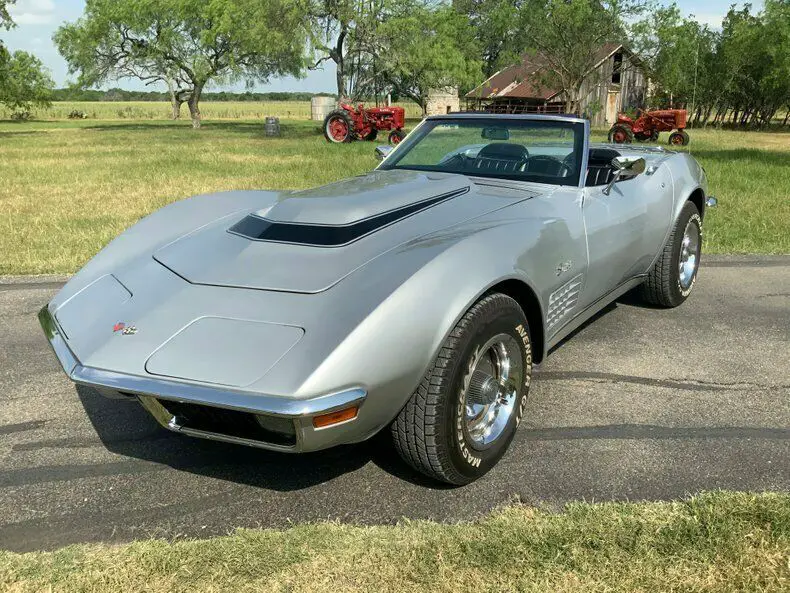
{"points": [[214, 110], [717, 542], [68, 187]]}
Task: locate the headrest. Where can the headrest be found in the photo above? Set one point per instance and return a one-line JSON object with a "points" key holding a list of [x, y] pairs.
{"points": [[603, 154], [504, 150]]}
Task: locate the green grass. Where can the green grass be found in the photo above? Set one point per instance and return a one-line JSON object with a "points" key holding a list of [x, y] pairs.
{"points": [[716, 542], [160, 110], [68, 187]]}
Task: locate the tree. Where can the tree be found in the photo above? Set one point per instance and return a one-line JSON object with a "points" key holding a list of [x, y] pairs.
{"points": [[26, 83], [5, 18], [567, 35], [5, 23], [343, 31], [678, 55], [427, 48], [190, 43], [492, 26]]}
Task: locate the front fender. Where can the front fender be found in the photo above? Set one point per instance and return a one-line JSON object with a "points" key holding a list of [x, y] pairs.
{"points": [[688, 177], [390, 350]]}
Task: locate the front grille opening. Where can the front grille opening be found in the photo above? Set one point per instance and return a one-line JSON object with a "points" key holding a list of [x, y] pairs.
{"points": [[233, 423]]}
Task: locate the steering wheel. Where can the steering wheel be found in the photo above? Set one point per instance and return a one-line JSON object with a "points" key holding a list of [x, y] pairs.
{"points": [[563, 168], [458, 158]]}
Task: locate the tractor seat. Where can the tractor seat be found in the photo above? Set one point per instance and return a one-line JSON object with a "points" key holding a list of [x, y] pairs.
{"points": [[501, 157], [599, 166]]}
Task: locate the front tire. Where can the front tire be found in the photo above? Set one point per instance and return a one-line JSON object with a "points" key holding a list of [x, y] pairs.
{"points": [[461, 419], [672, 277]]}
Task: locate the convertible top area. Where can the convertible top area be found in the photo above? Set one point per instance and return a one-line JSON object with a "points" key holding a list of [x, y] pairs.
{"points": [[543, 150]]}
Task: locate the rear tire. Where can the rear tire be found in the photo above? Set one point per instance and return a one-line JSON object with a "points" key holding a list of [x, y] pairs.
{"points": [[672, 277], [460, 420], [396, 136], [338, 127], [620, 134], [679, 138]]}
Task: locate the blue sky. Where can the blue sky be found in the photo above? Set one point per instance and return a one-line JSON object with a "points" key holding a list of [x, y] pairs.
{"points": [[37, 20]]}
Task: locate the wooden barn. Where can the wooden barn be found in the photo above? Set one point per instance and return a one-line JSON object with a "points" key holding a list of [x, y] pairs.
{"points": [[616, 83]]}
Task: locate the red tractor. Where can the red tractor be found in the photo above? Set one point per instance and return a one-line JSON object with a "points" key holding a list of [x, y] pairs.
{"points": [[347, 123], [648, 125]]}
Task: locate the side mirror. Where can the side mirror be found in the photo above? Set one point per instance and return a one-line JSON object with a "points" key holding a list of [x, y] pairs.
{"points": [[625, 167], [383, 151]]}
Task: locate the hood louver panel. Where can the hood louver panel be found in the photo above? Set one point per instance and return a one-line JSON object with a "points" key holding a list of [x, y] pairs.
{"points": [[258, 228]]}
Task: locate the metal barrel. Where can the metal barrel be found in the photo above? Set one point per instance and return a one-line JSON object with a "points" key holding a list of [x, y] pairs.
{"points": [[320, 107], [271, 127]]}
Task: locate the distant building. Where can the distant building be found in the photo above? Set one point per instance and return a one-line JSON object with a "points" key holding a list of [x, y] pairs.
{"points": [[616, 83], [442, 100]]}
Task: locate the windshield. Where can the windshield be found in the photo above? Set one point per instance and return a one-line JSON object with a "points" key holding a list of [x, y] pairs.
{"points": [[544, 151]]}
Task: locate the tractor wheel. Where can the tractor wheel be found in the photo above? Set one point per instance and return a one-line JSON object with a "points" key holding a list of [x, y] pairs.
{"points": [[620, 134], [338, 127], [679, 138], [396, 136], [372, 135]]}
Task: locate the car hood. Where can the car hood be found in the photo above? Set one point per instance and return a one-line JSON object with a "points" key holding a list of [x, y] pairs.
{"points": [[308, 241]]}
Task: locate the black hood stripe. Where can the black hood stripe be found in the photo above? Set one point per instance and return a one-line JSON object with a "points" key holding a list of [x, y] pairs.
{"points": [[258, 228]]}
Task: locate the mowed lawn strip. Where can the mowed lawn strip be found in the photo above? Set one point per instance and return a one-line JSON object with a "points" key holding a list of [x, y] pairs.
{"points": [[715, 542], [68, 187]]}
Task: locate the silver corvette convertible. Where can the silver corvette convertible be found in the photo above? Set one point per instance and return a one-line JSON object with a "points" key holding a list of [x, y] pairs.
{"points": [[415, 298]]}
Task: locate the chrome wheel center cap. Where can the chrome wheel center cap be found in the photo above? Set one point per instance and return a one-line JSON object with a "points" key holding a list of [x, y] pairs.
{"points": [[496, 377], [689, 255]]}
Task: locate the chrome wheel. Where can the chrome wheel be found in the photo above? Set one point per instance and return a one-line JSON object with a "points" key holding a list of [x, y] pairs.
{"points": [[689, 254], [495, 380]]}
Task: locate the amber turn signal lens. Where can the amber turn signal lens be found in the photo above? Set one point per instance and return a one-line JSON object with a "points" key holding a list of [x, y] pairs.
{"points": [[325, 420]]}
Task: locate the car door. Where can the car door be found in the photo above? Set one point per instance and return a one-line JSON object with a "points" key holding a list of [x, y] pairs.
{"points": [[625, 229]]}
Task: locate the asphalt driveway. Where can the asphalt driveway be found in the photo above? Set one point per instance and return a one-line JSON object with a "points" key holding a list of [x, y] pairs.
{"points": [[640, 404]]}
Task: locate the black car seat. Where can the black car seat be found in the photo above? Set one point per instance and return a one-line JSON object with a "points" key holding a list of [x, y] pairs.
{"points": [[599, 166], [501, 157]]}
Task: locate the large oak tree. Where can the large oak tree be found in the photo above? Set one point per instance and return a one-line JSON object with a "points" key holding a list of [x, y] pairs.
{"points": [[186, 43], [344, 32], [427, 48]]}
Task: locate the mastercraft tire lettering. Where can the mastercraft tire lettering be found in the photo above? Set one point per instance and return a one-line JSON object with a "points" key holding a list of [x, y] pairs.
{"points": [[464, 414]]}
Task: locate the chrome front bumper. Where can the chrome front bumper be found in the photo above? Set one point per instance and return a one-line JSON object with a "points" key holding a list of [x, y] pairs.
{"points": [[150, 391]]}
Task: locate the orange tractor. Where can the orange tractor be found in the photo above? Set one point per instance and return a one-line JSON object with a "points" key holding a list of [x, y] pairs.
{"points": [[648, 125], [349, 123]]}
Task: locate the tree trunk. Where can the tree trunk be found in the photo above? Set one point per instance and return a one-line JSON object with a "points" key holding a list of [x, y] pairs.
{"points": [[787, 116], [194, 105], [174, 102], [340, 65], [341, 82]]}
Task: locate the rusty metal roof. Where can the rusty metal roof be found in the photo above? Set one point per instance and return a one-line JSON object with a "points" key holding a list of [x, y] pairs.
{"points": [[523, 80]]}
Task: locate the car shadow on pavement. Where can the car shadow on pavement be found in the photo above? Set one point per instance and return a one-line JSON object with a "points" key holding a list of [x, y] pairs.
{"points": [[125, 428]]}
